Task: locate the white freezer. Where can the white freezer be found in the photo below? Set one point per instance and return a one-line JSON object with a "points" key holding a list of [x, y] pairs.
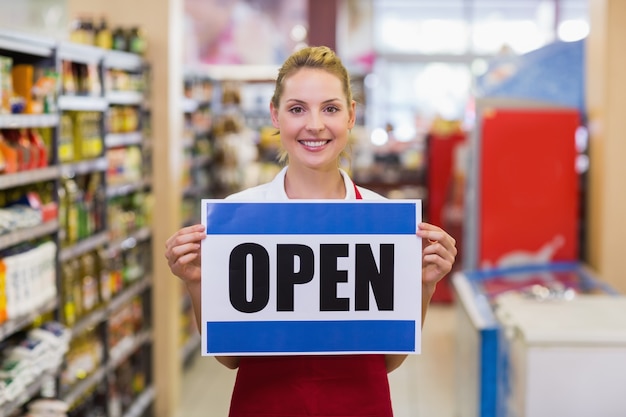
{"points": [[564, 357]]}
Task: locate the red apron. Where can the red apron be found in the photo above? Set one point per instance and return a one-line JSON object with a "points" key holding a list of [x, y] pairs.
{"points": [[322, 386]]}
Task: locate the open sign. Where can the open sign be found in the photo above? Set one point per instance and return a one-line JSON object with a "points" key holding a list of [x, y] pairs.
{"points": [[308, 277]]}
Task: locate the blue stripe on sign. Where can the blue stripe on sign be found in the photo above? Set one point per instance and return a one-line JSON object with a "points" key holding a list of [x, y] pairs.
{"points": [[360, 218], [310, 336]]}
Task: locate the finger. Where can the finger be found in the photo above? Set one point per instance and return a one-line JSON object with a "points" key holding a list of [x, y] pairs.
{"points": [[183, 238], [442, 251], [196, 228], [437, 265], [183, 260], [181, 250], [428, 226], [438, 236]]}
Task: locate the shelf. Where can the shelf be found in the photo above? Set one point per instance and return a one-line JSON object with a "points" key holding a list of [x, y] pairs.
{"points": [[125, 61], [83, 103], [191, 346], [125, 98], [25, 44], [43, 53], [141, 403], [99, 375], [31, 390], [16, 121], [13, 326], [89, 321], [101, 314], [235, 72], [128, 294], [125, 348], [84, 246], [84, 167], [189, 105], [195, 192], [131, 240], [113, 140], [200, 161], [84, 386], [29, 177], [24, 235], [79, 53], [126, 189]]}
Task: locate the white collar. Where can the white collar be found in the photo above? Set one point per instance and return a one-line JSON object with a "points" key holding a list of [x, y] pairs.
{"points": [[276, 189]]}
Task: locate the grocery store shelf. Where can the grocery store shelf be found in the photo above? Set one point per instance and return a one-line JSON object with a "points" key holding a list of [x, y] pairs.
{"points": [[28, 177], [126, 347], [13, 326], [131, 240], [125, 61], [128, 98], [23, 235], [84, 386], [84, 167], [84, 246], [118, 355], [191, 347], [83, 103], [34, 388], [189, 105], [200, 161], [100, 315], [89, 321], [25, 44], [128, 294], [141, 404], [15, 121], [126, 189], [51, 53], [113, 140], [80, 53]]}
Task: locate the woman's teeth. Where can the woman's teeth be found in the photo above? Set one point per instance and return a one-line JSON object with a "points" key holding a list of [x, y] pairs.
{"points": [[314, 143]]}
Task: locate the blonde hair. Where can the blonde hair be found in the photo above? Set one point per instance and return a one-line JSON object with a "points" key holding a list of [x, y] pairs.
{"points": [[314, 57]]}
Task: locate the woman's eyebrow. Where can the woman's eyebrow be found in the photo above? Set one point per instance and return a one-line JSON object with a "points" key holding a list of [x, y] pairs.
{"points": [[295, 100]]}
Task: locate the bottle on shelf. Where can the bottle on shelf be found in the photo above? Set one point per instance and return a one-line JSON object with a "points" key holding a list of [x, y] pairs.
{"points": [[68, 310], [120, 39], [89, 283], [104, 37], [137, 41], [105, 278]]}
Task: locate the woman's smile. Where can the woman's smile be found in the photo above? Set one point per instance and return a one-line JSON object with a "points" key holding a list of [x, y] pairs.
{"points": [[314, 144]]}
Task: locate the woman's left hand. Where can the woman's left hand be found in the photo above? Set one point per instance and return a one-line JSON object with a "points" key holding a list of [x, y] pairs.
{"points": [[438, 254]]}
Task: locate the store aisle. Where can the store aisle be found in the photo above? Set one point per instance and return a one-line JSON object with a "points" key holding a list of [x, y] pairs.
{"points": [[422, 387]]}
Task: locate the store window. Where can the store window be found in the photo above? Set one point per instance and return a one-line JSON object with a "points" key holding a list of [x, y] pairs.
{"points": [[516, 25], [425, 27], [243, 32], [40, 17], [410, 95], [429, 51]]}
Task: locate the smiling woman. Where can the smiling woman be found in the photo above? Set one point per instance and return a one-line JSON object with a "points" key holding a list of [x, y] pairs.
{"points": [[313, 109]]}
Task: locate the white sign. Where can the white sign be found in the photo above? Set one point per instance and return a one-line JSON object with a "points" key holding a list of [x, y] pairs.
{"points": [[311, 277]]}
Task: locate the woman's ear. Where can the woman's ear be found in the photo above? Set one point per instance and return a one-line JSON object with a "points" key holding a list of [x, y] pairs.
{"points": [[352, 119], [274, 115]]}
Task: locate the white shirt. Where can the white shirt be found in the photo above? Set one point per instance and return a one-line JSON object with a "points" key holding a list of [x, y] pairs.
{"points": [[275, 190]]}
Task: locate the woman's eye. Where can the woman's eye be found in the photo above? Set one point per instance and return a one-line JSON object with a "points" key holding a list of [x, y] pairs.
{"points": [[296, 110], [332, 109]]}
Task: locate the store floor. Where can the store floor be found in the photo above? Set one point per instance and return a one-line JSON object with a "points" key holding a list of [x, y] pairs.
{"points": [[422, 387]]}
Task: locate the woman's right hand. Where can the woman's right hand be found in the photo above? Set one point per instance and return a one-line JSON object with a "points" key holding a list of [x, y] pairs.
{"points": [[182, 251]]}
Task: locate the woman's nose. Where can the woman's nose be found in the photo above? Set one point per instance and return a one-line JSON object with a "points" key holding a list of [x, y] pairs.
{"points": [[314, 123]]}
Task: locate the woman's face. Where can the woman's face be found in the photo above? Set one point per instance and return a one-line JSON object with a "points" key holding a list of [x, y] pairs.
{"points": [[313, 118]]}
